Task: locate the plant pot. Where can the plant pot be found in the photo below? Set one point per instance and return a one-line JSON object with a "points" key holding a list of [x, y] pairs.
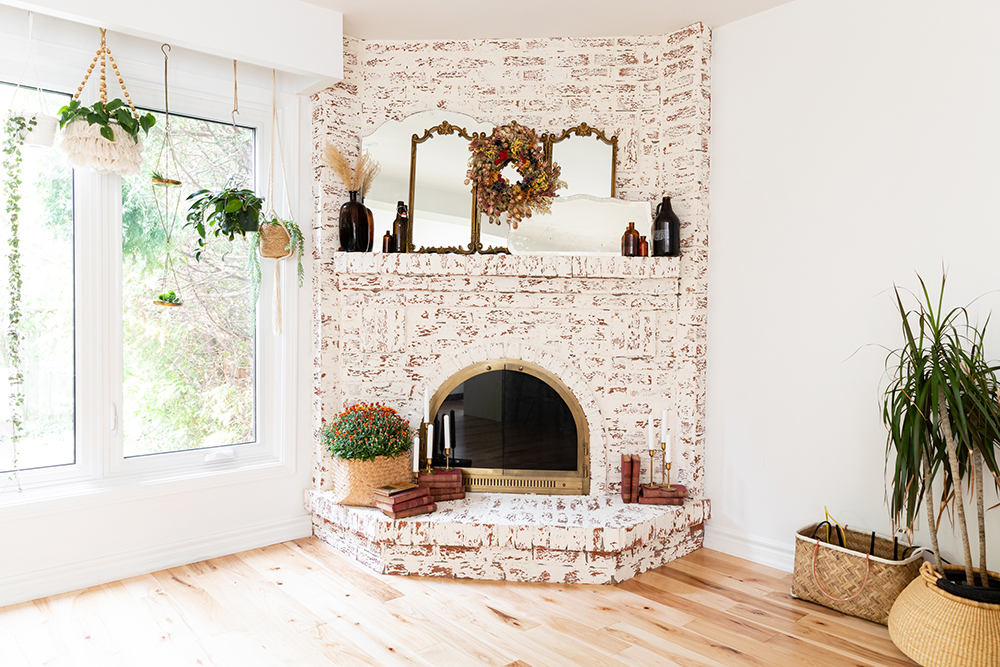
{"points": [[85, 148], [274, 241], [937, 629], [354, 480], [44, 132]]}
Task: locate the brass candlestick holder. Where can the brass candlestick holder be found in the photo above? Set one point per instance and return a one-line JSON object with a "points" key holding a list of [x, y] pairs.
{"points": [[666, 473], [652, 484], [447, 458]]}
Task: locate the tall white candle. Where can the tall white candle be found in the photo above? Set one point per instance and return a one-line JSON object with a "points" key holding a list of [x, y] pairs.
{"points": [[427, 407], [447, 432], [416, 452], [669, 447], [663, 427], [430, 439], [649, 429]]}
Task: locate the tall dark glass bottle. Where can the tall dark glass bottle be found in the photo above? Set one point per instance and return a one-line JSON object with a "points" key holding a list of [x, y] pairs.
{"points": [[353, 219], [666, 231], [400, 227]]}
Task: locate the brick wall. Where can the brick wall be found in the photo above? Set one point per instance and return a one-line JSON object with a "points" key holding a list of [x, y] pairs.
{"points": [[626, 335]]}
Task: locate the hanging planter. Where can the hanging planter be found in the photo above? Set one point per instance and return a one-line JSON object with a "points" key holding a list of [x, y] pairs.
{"points": [[103, 137], [41, 131]]}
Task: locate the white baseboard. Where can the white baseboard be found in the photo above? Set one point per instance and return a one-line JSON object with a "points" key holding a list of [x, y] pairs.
{"points": [[74, 576], [779, 555]]}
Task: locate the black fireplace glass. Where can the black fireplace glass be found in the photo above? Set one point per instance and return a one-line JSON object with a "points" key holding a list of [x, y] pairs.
{"points": [[510, 420]]}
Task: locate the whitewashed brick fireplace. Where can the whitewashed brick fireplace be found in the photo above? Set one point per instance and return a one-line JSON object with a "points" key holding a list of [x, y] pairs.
{"points": [[625, 335]]}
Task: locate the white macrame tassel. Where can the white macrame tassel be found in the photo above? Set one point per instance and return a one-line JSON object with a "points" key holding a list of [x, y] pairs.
{"points": [[276, 323], [87, 149]]}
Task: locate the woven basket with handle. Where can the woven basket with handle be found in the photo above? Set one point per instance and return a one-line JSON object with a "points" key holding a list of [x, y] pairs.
{"points": [[938, 629], [847, 578], [274, 241], [354, 480]]}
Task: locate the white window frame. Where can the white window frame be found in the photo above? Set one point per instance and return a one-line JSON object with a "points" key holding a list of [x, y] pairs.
{"points": [[100, 462]]}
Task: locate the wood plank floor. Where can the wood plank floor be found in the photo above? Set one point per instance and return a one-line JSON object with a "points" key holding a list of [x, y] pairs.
{"points": [[302, 603]]}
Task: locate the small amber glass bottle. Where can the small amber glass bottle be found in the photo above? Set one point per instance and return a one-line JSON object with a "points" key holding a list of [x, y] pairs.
{"points": [[643, 247], [630, 241], [387, 242]]}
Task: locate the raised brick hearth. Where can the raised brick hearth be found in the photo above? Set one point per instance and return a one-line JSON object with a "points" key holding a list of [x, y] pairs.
{"points": [[625, 335]]}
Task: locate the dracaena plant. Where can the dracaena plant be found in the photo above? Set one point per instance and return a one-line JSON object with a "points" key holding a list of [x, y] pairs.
{"points": [[941, 412], [108, 116]]}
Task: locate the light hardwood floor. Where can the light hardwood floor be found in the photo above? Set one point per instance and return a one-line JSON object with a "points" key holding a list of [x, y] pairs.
{"points": [[302, 603]]}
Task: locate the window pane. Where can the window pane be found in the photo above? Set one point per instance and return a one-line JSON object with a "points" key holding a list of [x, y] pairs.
{"points": [[44, 401], [189, 370]]}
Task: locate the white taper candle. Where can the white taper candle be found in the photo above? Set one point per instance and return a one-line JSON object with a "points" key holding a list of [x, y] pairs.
{"points": [[430, 439], [663, 426], [416, 452], [447, 432], [668, 457]]}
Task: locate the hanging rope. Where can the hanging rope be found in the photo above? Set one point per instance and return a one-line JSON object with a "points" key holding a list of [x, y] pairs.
{"points": [[34, 65], [104, 54], [236, 96]]}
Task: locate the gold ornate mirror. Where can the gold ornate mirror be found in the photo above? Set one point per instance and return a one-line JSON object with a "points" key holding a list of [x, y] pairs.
{"points": [[588, 159]]}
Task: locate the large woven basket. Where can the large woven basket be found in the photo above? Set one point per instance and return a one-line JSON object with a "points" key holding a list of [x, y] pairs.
{"points": [[847, 578], [354, 480], [274, 241], [938, 629]]}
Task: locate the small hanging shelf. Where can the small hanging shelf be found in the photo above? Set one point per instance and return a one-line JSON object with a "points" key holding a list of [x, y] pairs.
{"points": [[104, 137], [167, 196]]}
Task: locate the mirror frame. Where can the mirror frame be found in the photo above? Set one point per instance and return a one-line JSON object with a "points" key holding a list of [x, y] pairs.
{"points": [[584, 130], [475, 242]]}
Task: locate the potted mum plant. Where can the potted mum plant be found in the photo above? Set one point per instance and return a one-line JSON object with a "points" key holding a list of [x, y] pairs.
{"points": [[370, 444], [942, 414]]}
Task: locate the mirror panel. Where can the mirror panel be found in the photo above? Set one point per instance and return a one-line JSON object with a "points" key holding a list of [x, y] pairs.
{"points": [[588, 160], [441, 204], [580, 225]]}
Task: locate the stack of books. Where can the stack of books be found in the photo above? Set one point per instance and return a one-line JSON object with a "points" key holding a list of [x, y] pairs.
{"points": [[443, 484], [630, 478], [398, 501], [659, 495]]}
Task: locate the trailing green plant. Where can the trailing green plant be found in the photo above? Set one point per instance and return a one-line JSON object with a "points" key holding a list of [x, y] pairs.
{"points": [[107, 116], [229, 212], [296, 242], [16, 128], [942, 416], [365, 431]]}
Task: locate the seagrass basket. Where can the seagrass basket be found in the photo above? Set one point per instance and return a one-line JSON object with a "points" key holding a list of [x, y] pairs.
{"points": [[847, 578], [274, 241], [938, 629], [354, 479]]}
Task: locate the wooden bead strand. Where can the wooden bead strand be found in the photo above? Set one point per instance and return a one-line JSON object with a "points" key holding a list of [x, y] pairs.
{"points": [[104, 54]]}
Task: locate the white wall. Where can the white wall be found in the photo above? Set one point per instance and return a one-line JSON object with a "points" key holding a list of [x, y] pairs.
{"points": [[853, 144]]}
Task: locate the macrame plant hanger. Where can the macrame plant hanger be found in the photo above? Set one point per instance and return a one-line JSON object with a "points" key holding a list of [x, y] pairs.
{"points": [[43, 131], [83, 144], [167, 195], [275, 241]]}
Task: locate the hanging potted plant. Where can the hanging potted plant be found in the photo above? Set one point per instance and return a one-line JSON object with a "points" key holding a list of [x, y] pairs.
{"points": [[228, 213], [277, 239], [103, 137], [370, 444], [42, 131], [943, 418]]}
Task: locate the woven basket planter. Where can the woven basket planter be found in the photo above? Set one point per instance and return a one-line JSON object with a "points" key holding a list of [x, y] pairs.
{"points": [[938, 629], [274, 241], [847, 578], [354, 480]]}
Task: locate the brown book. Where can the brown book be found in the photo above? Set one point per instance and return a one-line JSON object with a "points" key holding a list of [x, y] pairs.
{"points": [[390, 490], [438, 490], [449, 496], [651, 500], [413, 511], [626, 478], [636, 471], [441, 478], [410, 494], [675, 491], [405, 505]]}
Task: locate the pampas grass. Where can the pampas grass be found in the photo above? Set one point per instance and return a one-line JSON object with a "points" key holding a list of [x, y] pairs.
{"points": [[361, 177]]}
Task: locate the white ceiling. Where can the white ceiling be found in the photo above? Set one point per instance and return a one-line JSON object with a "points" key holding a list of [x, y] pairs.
{"points": [[451, 19]]}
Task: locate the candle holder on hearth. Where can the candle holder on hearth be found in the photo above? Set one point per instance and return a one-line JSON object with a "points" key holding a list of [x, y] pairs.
{"points": [[652, 481], [666, 476], [447, 458]]}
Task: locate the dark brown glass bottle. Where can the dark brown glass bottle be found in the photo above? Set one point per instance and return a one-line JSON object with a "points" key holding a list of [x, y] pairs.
{"points": [[388, 242], [630, 241], [666, 231], [353, 217], [643, 247], [400, 227]]}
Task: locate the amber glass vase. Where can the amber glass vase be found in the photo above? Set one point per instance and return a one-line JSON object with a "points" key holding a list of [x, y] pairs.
{"points": [[630, 241], [354, 225]]}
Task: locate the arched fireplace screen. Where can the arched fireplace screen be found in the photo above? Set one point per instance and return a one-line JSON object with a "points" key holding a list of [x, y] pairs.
{"points": [[515, 428]]}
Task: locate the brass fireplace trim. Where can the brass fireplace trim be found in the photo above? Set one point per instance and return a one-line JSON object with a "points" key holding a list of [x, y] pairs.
{"points": [[498, 480]]}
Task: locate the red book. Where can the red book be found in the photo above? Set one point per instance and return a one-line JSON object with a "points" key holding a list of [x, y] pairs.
{"points": [[441, 478], [436, 490], [401, 497], [675, 491], [449, 496], [405, 505], [413, 511], [651, 500], [636, 471], [626, 478]]}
